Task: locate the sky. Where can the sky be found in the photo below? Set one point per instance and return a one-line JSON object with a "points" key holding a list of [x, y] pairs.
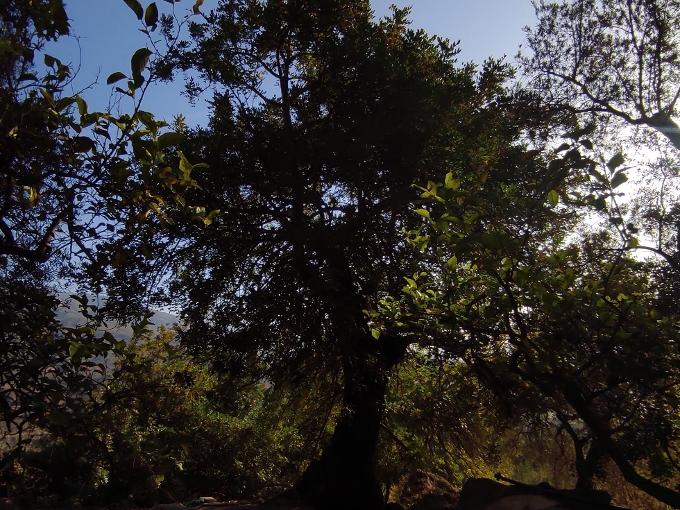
{"points": [[106, 35]]}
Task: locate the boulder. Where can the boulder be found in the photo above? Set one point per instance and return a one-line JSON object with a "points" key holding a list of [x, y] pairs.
{"points": [[169, 506], [485, 494]]}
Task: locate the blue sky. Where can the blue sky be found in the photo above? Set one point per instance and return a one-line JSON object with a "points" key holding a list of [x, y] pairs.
{"points": [[107, 35]]}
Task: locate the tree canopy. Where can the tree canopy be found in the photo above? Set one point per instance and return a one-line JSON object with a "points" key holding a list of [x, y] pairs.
{"points": [[380, 255]]}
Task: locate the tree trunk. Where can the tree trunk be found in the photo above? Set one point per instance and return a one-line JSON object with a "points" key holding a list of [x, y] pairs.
{"points": [[587, 467], [344, 476]]}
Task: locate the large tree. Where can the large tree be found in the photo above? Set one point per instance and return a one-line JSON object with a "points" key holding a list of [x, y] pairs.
{"points": [[322, 120]]}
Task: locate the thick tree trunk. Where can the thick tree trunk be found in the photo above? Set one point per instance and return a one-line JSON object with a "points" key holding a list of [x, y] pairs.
{"points": [[344, 476]]}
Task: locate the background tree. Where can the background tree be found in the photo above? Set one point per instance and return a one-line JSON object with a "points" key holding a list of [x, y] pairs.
{"points": [[615, 64], [576, 323], [70, 180], [615, 58]]}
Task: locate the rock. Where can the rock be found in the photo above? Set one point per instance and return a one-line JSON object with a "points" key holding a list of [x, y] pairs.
{"points": [[484, 493], [169, 506]]}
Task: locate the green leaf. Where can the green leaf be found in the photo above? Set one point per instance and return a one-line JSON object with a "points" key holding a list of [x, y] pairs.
{"points": [[593, 171], [553, 197], [169, 138], [615, 162], [151, 15], [209, 218], [82, 144], [48, 97], [136, 7], [185, 168], [618, 179], [64, 102], [375, 333], [50, 61], [76, 350], [520, 276], [452, 262], [450, 182], [147, 119], [114, 77], [138, 63], [33, 196], [423, 212], [82, 105]]}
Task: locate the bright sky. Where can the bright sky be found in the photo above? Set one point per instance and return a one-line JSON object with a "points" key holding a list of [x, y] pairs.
{"points": [[108, 34]]}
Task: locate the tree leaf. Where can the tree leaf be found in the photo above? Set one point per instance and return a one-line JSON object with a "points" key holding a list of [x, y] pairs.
{"points": [[114, 77], [136, 7], [618, 179], [50, 61], [82, 144], [138, 63], [615, 162], [169, 138], [450, 182], [423, 212], [82, 105], [151, 15], [553, 197]]}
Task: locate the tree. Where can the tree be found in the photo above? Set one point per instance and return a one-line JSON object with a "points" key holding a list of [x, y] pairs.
{"points": [[610, 58], [578, 321], [323, 118], [69, 176], [70, 180]]}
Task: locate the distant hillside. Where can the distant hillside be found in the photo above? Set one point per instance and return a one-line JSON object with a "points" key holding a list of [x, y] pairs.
{"points": [[69, 315]]}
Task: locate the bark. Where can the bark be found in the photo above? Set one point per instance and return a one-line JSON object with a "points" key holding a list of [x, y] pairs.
{"points": [[587, 468], [344, 476]]}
